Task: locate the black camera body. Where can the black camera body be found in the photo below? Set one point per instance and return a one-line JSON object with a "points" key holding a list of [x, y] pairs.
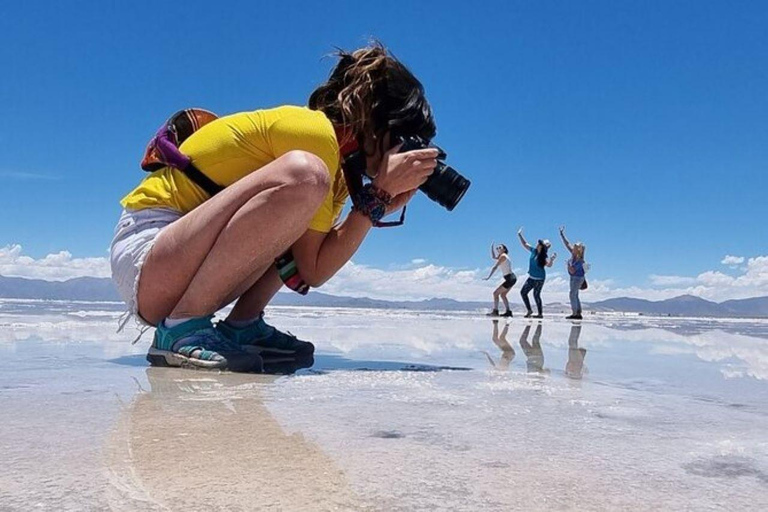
{"points": [[445, 185]]}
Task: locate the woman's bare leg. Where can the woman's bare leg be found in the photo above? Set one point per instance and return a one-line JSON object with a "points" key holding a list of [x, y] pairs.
{"points": [[253, 301], [503, 295], [245, 286], [496, 294], [200, 260]]}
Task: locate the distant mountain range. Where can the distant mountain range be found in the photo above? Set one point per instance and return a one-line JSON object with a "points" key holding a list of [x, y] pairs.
{"points": [[101, 289], [686, 305], [334, 301], [97, 289]]}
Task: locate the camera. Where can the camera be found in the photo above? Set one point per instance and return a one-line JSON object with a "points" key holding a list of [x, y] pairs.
{"points": [[445, 185]]}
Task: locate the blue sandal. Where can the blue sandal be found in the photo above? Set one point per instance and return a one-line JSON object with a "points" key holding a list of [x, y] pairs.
{"points": [[197, 344], [259, 337]]}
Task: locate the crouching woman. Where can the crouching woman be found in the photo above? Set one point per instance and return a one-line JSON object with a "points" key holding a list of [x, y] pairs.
{"points": [[181, 253]]}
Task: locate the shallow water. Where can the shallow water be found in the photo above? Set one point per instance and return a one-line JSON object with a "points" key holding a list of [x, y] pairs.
{"points": [[401, 411]]}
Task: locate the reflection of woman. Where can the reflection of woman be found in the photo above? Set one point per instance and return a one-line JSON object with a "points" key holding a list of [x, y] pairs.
{"points": [[501, 255], [144, 453], [577, 272], [574, 368], [537, 273], [507, 352], [180, 253], [533, 351]]}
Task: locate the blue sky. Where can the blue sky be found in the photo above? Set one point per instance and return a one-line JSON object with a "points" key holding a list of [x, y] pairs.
{"points": [[641, 126]]}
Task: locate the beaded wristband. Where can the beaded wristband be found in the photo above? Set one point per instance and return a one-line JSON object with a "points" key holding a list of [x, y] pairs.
{"points": [[372, 202]]}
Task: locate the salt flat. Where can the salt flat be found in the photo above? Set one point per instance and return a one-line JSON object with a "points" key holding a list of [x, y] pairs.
{"points": [[401, 411]]}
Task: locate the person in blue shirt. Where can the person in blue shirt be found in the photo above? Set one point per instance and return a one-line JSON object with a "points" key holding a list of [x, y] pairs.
{"points": [[537, 272], [577, 272]]}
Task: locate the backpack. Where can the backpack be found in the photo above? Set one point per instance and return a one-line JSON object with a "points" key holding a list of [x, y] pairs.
{"points": [[163, 148]]}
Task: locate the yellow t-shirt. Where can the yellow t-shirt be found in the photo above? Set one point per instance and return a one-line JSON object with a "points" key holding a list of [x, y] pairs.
{"points": [[234, 146]]}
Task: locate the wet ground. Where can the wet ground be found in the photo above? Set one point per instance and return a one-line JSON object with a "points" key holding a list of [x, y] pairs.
{"points": [[400, 411]]}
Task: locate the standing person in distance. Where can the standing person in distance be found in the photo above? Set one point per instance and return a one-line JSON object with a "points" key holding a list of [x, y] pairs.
{"points": [[577, 271], [537, 273], [501, 255]]}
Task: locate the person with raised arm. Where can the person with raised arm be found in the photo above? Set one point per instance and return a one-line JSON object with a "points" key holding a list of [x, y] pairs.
{"points": [[577, 271], [501, 255], [537, 274]]}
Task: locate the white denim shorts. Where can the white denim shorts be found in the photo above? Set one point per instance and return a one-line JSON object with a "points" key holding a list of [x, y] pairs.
{"points": [[135, 234]]}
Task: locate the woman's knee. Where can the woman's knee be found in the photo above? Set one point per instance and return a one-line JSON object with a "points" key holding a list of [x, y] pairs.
{"points": [[306, 174]]}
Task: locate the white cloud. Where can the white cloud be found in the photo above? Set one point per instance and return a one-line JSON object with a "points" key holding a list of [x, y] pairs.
{"points": [[658, 280], [732, 261], [53, 267], [431, 280], [422, 280]]}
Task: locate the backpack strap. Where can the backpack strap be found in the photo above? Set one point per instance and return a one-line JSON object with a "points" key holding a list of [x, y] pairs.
{"points": [[201, 180], [163, 149]]}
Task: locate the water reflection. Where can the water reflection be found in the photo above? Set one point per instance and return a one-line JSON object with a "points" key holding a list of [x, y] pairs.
{"points": [[574, 368], [507, 352], [533, 352], [287, 365], [189, 431], [736, 348]]}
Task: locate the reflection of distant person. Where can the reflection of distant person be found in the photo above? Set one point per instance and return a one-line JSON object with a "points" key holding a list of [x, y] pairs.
{"points": [[501, 255], [575, 368], [537, 272], [507, 352], [577, 272], [532, 351]]}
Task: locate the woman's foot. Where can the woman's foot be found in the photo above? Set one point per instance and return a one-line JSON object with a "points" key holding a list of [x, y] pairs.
{"points": [[575, 316], [538, 316], [196, 343], [529, 314], [494, 312], [507, 314], [259, 337]]}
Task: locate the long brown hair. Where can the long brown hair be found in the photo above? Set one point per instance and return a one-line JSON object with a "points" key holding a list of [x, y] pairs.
{"points": [[370, 92]]}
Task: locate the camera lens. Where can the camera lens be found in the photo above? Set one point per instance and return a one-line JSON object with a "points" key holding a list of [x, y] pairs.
{"points": [[445, 186]]}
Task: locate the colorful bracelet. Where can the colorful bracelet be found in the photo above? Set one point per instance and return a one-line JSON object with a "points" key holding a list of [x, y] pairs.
{"points": [[289, 273], [372, 202]]}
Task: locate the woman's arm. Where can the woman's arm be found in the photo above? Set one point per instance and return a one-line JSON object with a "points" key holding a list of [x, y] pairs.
{"points": [[551, 260], [522, 240], [493, 269], [320, 255], [493, 252], [565, 240]]}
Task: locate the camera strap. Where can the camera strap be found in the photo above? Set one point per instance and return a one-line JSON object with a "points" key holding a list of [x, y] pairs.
{"points": [[392, 223]]}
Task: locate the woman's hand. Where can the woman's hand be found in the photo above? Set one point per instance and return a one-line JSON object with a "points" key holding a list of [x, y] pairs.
{"points": [[404, 172]]}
